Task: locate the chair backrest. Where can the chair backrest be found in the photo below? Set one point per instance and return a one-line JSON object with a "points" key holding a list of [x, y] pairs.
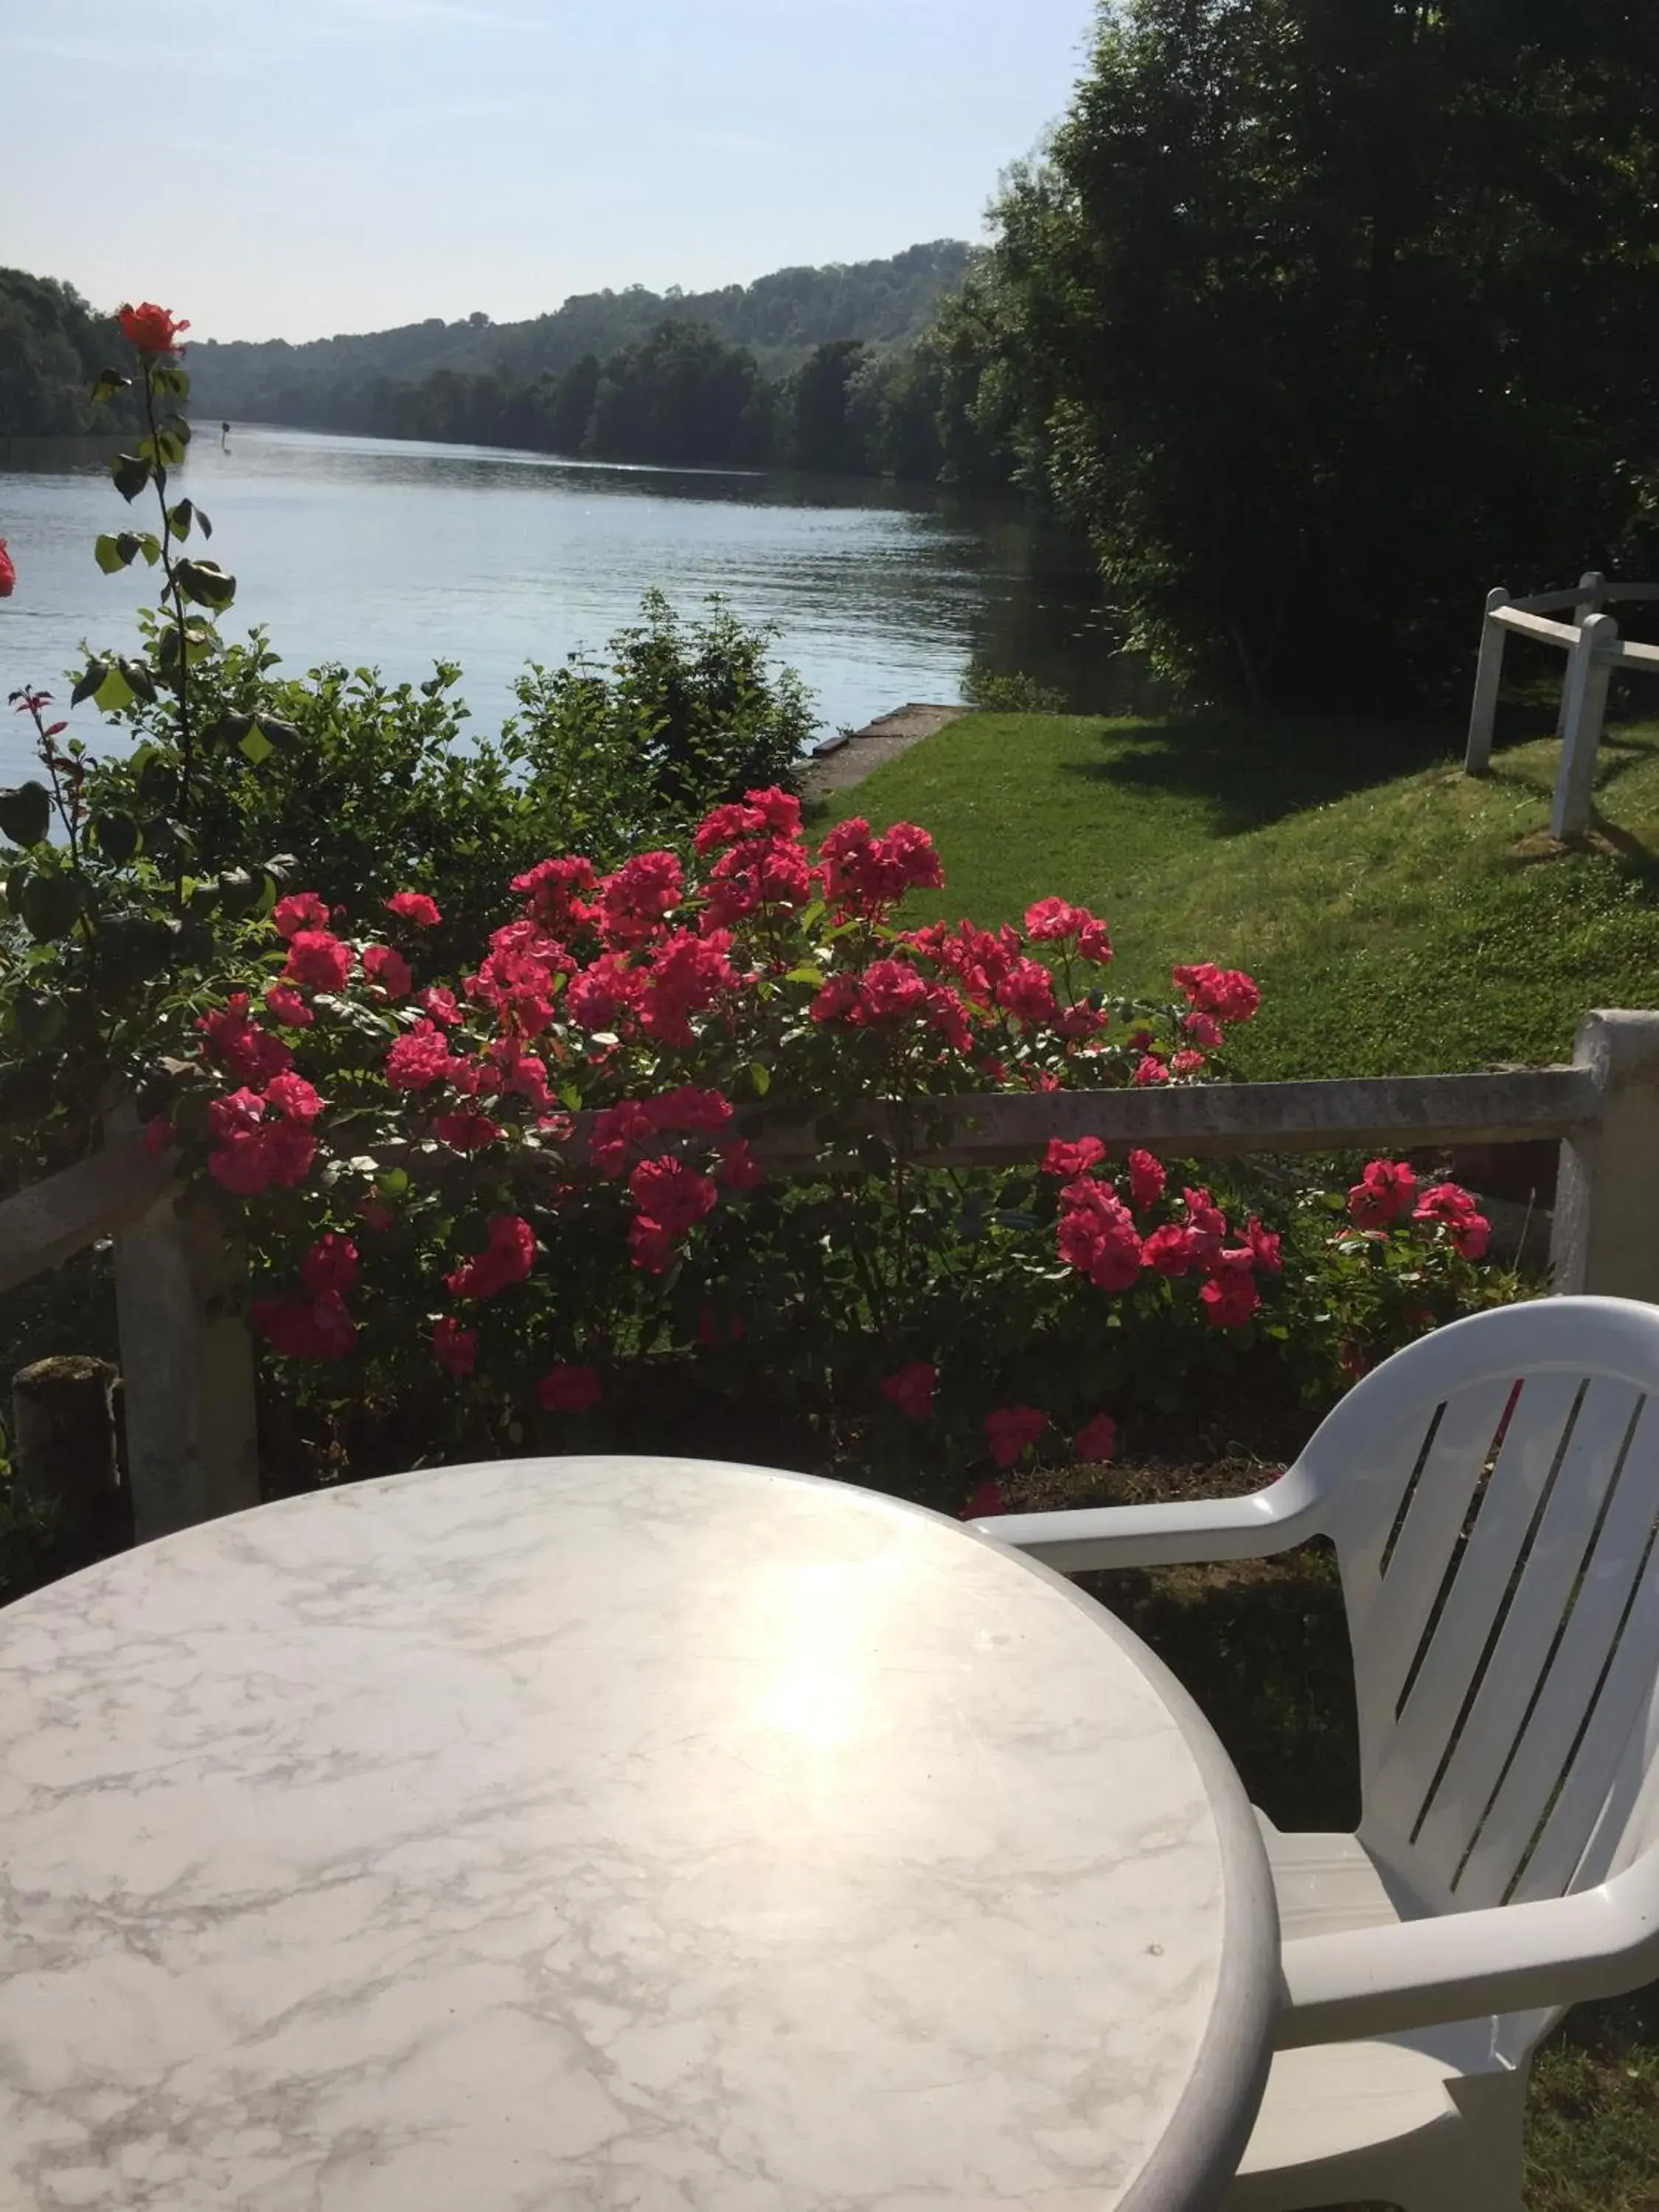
{"points": [[1492, 1491]]}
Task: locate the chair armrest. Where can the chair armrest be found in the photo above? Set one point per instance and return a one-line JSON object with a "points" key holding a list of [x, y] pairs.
{"points": [[1275, 1519], [1463, 1966]]}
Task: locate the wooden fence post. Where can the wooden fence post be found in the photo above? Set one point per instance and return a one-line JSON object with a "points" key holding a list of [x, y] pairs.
{"points": [[1488, 675], [1594, 584], [1606, 1235], [187, 1364], [1583, 703]]}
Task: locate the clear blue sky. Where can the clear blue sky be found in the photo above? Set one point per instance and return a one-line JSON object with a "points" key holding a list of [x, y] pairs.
{"points": [[296, 167]]}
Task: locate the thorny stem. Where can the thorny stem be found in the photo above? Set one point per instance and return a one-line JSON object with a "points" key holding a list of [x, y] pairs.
{"points": [[181, 620]]}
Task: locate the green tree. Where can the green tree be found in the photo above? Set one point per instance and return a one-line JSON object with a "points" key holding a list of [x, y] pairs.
{"points": [[1344, 312], [818, 435], [682, 397], [53, 346]]}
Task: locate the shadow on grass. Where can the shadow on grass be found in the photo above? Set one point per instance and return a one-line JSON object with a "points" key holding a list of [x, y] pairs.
{"points": [[1254, 769], [1262, 1647]]}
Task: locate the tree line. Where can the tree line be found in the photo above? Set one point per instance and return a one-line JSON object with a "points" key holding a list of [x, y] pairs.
{"points": [[779, 319], [53, 346], [681, 397]]}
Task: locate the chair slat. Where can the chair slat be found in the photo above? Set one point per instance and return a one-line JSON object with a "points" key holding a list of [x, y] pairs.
{"points": [[1536, 1771], [1533, 1444], [1387, 1642], [1620, 1706], [1559, 1555]]}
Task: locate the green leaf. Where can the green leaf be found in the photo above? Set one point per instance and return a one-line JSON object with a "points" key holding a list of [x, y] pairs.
{"points": [[179, 519], [256, 748], [50, 905], [278, 732], [90, 682], [205, 582], [116, 837], [139, 680], [761, 1076], [239, 892], [109, 383], [805, 974], [115, 692], [114, 553], [150, 546], [202, 523], [25, 813], [130, 474], [164, 377]]}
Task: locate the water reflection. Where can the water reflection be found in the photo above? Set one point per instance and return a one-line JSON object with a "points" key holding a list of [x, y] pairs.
{"points": [[394, 554]]}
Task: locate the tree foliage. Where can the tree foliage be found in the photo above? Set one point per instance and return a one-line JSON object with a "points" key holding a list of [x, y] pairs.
{"points": [[338, 384], [51, 348], [1341, 311]]}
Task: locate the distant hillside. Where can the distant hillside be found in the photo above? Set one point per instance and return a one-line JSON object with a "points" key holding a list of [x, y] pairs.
{"points": [[51, 347], [780, 318]]}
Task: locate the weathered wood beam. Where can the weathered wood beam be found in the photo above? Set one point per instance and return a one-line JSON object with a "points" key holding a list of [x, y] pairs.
{"points": [[53, 1220]]}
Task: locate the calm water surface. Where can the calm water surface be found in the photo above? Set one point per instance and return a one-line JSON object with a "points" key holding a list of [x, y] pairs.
{"points": [[392, 554]]}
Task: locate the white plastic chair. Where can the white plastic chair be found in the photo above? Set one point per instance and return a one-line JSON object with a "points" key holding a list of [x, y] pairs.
{"points": [[1492, 1493]]}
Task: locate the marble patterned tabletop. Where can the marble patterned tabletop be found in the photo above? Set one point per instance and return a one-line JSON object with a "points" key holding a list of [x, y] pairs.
{"points": [[613, 1832]]}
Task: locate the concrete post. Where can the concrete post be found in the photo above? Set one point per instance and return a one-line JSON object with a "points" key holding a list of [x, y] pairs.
{"points": [[1593, 583], [64, 1429], [1606, 1235], [1488, 675], [187, 1363], [1583, 704]]}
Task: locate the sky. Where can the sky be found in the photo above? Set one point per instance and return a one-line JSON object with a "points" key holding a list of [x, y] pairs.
{"points": [[294, 168]]}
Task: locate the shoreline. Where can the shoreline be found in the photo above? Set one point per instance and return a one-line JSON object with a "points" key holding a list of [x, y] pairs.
{"points": [[843, 761]]}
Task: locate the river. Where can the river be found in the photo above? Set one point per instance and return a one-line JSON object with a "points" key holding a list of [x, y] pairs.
{"points": [[393, 554]]}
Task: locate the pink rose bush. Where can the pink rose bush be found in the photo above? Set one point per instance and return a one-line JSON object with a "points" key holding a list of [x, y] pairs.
{"points": [[674, 1114]]}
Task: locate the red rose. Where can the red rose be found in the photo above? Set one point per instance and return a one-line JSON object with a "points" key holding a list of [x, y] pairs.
{"points": [[415, 907], [385, 965], [1011, 1428], [300, 1330], [152, 330], [508, 1258], [330, 1266], [569, 1389], [985, 1501], [1096, 1441], [1071, 1159], [453, 1347], [7, 573], [317, 958], [298, 910], [1384, 1192], [287, 1007], [911, 1389]]}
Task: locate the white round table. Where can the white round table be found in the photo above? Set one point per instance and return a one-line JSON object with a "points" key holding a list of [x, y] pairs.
{"points": [[613, 1832]]}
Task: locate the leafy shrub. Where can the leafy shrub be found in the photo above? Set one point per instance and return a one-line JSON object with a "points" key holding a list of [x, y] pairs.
{"points": [[132, 878], [1012, 693], [538, 1201]]}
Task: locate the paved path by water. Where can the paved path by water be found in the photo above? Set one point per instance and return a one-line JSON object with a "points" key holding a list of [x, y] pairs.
{"points": [[853, 758]]}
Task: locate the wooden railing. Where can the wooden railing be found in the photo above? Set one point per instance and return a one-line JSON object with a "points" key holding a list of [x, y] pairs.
{"points": [[1594, 649], [187, 1358]]}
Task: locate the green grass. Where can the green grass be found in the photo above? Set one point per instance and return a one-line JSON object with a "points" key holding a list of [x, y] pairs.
{"points": [[1399, 917]]}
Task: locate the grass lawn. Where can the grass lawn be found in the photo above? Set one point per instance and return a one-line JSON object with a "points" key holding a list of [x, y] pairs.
{"points": [[1399, 917]]}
